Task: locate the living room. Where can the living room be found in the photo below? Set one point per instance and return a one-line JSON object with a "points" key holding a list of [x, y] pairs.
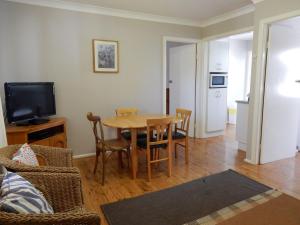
{"points": [[57, 43]]}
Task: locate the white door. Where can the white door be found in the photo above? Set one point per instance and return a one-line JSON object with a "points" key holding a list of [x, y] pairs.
{"points": [[182, 69], [3, 141], [281, 101]]}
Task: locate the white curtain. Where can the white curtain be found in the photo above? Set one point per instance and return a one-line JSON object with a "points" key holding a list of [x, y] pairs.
{"points": [[3, 140]]}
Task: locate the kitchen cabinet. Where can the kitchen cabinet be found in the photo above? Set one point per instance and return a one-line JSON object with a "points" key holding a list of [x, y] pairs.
{"points": [[219, 56], [216, 109]]}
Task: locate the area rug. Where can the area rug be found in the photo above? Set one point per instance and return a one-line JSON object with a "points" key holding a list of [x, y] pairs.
{"points": [[185, 202], [278, 211], [269, 208]]}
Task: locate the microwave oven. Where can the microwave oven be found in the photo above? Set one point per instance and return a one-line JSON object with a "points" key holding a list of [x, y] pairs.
{"points": [[218, 80]]}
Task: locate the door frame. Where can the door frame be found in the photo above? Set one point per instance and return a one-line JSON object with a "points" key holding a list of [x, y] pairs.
{"points": [[258, 86], [204, 79], [197, 42], [3, 138]]}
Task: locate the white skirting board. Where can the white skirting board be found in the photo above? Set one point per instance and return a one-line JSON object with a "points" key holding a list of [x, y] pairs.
{"points": [[84, 155], [242, 146]]}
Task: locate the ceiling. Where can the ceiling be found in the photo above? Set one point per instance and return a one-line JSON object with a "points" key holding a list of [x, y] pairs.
{"points": [[244, 36], [199, 13], [193, 10]]}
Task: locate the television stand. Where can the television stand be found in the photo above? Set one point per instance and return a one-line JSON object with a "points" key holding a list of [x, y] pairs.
{"points": [[51, 133], [35, 121]]}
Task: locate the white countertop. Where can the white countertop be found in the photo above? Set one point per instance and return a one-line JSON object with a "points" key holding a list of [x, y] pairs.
{"points": [[242, 101]]}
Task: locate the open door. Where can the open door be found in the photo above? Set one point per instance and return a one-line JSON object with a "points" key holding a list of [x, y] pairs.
{"points": [[281, 100], [182, 69]]}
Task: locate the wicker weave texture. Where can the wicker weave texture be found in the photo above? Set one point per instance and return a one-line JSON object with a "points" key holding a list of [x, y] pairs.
{"points": [[64, 193], [58, 159]]}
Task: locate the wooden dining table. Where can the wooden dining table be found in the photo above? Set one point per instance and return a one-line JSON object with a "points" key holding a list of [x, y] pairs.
{"points": [[134, 123]]}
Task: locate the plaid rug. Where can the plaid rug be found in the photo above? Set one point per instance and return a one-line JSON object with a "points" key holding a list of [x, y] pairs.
{"points": [[235, 209]]}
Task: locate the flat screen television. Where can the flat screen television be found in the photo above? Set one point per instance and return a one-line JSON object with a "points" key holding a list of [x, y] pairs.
{"points": [[29, 103]]}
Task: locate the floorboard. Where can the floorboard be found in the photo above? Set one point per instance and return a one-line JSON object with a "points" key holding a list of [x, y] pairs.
{"points": [[207, 156]]}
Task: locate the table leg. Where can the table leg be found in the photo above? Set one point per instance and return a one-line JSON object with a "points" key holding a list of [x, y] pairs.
{"points": [[134, 157], [119, 133], [120, 159]]}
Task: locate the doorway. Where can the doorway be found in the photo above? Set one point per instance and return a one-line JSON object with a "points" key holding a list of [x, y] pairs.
{"points": [[229, 76], [239, 73], [281, 107], [180, 77]]}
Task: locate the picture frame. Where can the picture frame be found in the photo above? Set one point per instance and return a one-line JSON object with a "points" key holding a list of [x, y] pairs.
{"points": [[105, 56]]}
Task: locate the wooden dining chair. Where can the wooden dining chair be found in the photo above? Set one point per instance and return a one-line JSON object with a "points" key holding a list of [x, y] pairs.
{"points": [[159, 137], [126, 111], [181, 134], [125, 133], [106, 147]]}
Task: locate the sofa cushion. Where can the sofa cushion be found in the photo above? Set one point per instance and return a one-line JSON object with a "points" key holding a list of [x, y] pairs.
{"points": [[19, 196], [26, 156]]}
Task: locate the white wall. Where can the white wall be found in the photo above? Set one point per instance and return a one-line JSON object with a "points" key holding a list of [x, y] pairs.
{"points": [[237, 75], [3, 141], [249, 68], [47, 44], [298, 139]]}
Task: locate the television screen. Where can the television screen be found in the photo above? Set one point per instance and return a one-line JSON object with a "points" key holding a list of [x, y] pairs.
{"points": [[25, 101]]}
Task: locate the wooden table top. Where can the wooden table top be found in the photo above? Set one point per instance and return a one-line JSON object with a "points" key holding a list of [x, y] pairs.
{"points": [[134, 121]]}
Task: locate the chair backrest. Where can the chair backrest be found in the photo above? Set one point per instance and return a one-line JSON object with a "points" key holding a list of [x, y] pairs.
{"points": [[185, 116], [160, 128], [96, 120], [126, 111]]}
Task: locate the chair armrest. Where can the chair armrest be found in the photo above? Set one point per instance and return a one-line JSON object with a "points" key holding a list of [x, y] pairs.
{"points": [[60, 157], [17, 167], [63, 190], [68, 218], [8, 151], [55, 157]]}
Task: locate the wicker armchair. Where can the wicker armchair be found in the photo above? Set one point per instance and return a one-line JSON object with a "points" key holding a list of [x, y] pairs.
{"points": [[63, 191], [56, 159]]}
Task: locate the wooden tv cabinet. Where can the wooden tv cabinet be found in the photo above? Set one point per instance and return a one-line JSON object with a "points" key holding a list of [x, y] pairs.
{"points": [[52, 133]]}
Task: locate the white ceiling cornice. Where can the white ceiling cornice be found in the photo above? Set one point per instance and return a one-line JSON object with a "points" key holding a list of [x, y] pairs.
{"points": [[87, 8], [256, 1], [229, 15]]}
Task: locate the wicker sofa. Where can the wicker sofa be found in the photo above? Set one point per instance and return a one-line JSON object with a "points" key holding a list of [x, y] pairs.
{"points": [[63, 191], [56, 159]]}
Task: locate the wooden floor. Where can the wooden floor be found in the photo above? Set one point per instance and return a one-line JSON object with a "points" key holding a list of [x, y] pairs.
{"points": [[207, 156]]}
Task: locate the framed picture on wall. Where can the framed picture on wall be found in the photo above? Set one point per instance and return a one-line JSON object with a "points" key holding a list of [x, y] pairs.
{"points": [[106, 56]]}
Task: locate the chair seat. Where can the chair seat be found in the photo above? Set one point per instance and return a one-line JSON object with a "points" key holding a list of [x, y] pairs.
{"points": [[115, 144], [127, 135], [177, 135], [142, 143]]}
